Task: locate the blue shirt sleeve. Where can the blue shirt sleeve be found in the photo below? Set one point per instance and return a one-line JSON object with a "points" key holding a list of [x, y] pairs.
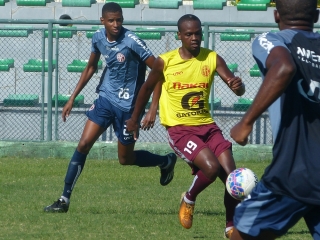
{"points": [[94, 41], [138, 46], [262, 46]]}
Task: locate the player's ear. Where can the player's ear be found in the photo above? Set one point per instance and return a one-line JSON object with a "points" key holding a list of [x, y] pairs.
{"points": [[316, 17], [101, 20], [276, 16], [179, 35]]}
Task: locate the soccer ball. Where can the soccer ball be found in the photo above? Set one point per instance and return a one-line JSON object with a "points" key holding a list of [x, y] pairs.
{"points": [[240, 183]]}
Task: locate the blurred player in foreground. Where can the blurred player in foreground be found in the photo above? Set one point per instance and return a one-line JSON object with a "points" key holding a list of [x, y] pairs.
{"points": [[186, 75], [289, 190]]}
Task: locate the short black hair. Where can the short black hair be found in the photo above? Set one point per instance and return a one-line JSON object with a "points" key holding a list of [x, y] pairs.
{"points": [[111, 7], [187, 17], [65, 17], [297, 10]]}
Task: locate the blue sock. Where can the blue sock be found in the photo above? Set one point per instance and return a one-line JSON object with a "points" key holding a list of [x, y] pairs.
{"points": [[74, 170], [148, 159]]}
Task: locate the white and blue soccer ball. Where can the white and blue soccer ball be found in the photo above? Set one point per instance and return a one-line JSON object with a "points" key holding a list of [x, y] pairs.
{"points": [[240, 183]]}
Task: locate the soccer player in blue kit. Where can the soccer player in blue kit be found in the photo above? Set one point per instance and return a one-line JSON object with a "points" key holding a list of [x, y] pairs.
{"points": [[126, 59], [289, 61]]}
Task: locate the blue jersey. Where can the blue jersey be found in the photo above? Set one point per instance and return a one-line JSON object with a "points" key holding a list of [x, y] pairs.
{"points": [[125, 67], [295, 117]]}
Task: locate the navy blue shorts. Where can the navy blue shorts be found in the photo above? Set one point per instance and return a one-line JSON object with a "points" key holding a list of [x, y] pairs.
{"points": [[266, 211], [103, 113]]}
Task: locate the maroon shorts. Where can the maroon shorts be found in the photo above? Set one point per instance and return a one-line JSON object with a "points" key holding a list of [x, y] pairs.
{"points": [[188, 141]]}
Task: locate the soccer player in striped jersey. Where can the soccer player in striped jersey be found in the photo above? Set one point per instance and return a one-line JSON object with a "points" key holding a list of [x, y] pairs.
{"points": [[186, 75], [126, 59]]}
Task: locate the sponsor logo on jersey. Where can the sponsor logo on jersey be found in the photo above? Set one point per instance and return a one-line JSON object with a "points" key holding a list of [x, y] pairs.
{"points": [[178, 73], [263, 41], [115, 48], [140, 43], [121, 57], [91, 108], [193, 113], [308, 56], [205, 71], [179, 85]]}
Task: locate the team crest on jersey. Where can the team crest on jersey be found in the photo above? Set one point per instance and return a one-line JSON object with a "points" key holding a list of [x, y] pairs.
{"points": [[121, 57], [91, 108], [205, 71]]}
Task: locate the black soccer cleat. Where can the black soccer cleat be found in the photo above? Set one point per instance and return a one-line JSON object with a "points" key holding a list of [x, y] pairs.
{"points": [[60, 206], [168, 173]]}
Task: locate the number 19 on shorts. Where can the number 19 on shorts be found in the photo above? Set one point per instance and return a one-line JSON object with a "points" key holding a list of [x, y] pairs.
{"points": [[190, 147]]}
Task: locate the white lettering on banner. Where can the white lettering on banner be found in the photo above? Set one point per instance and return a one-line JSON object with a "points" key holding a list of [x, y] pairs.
{"points": [[263, 41]]}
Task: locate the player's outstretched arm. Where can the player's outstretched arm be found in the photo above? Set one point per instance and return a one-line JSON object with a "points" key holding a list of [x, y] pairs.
{"points": [[155, 76], [84, 79], [233, 82], [280, 71]]}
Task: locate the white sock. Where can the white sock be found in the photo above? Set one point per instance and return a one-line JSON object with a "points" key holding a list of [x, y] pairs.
{"points": [[67, 200]]}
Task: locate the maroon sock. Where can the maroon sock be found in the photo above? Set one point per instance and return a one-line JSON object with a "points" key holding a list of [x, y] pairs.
{"points": [[200, 182], [230, 204]]}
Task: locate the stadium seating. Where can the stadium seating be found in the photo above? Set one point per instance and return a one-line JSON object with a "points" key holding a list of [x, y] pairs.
{"points": [[35, 65], [63, 99], [16, 31], [78, 65], [255, 71], [32, 2], [209, 4], [216, 103], [2, 2], [64, 32], [6, 64], [77, 3], [174, 4], [243, 104], [150, 33], [237, 35], [21, 100], [253, 5], [125, 3]]}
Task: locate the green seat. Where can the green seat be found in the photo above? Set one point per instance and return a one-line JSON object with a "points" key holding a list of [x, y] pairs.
{"points": [[125, 3], [216, 103], [6, 64], [35, 65], [21, 100], [32, 2], [253, 5], [255, 71], [243, 104], [150, 33], [64, 32], [232, 66], [90, 33], [78, 65], [237, 35], [16, 31], [2, 2], [77, 3], [167, 4], [209, 4], [63, 99]]}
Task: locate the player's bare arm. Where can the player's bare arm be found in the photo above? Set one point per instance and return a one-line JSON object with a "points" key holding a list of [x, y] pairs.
{"points": [[155, 76], [84, 79], [233, 82], [150, 118], [280, 71]]}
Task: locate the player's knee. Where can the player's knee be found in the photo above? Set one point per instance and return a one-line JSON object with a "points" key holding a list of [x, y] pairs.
{"points": [[84, 146], [212, 171]]}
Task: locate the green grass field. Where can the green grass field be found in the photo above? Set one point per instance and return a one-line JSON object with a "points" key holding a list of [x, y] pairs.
{"points": [[110, 201]]}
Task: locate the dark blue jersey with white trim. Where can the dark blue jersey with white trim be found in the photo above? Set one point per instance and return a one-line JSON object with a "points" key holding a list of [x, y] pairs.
{"points": [[125, 67], [295, 117]]}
